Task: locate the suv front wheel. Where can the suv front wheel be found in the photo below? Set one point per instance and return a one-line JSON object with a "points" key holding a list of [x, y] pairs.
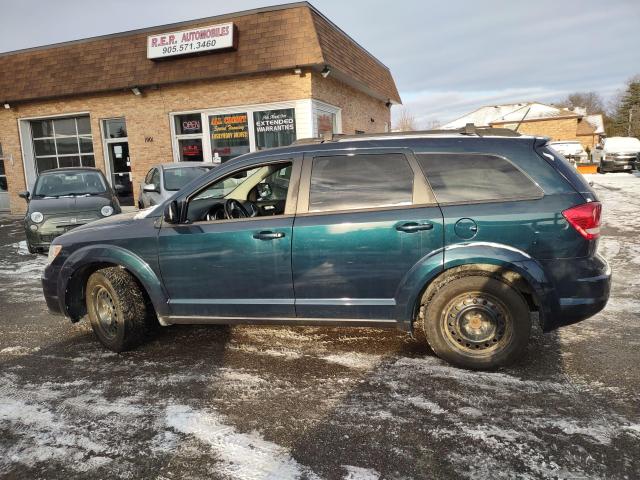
{"points": [[477, 322], [117, 309]]}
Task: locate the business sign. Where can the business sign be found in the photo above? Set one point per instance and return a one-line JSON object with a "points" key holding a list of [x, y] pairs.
{"points": [[194, 40], [275, 128], [229, 135], [191, 126]]}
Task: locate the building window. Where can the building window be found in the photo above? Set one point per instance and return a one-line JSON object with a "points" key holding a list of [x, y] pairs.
{"points": [[325, 122], [189, 135], [62, 142], [229, 136], [274, 128], [115, 128], [220, 134]]}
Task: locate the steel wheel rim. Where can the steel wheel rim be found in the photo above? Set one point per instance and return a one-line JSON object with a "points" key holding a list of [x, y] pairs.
{"points": [[477, 323], [105, 311]]}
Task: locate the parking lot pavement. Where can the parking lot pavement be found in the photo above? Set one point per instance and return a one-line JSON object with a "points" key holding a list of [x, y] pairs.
{"points": [[280, 403]]}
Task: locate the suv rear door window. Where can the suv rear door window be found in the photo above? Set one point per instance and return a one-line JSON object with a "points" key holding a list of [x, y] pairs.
{"points": [[348, 182], [468, 178]]}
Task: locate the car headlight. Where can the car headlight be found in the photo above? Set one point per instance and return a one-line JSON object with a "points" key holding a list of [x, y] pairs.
{"points": [[36, 217], [106, 211], [54, 250]]}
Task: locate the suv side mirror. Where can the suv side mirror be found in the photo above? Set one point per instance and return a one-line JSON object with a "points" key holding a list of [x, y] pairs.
{"points": [[171, 214], [25, 194], [150, 187]]}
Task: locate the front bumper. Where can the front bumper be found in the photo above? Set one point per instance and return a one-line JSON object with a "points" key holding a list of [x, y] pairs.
{"points": [[49, 230], [618, 165], [49, 280], [582, 286]]}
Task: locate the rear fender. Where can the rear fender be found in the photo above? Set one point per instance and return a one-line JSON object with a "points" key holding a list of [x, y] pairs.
{"points": [[487, 256], [114, 255]]}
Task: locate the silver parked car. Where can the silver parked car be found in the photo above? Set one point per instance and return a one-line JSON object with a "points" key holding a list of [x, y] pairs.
{"points": [[165, 179]]}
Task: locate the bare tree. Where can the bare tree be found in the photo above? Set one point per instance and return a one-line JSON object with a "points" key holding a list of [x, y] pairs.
{"points": [[406, 121], [591, 101], [434, 124]]}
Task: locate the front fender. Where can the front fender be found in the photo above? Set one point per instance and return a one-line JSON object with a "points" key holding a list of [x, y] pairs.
{"points": [[112, 254], [473, 253]]}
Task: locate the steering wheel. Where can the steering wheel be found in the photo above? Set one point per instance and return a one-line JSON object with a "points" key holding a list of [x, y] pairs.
{"points": [[215, 213], [234, 209]]}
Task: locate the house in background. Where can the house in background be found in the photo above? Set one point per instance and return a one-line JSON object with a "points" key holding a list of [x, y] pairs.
{"points": [[535, 118]]}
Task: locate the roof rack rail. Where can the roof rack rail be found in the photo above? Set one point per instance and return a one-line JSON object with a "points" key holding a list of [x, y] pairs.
{"points": [[468, 130]]}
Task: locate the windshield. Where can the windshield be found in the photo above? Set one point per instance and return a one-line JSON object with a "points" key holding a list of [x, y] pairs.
{"points": [[622, 144], [176, 178], [225, 187], [61, 184]]}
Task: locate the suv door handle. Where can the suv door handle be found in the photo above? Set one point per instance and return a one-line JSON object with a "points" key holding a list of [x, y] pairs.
{"points": [[414, 227], [268, 235]]}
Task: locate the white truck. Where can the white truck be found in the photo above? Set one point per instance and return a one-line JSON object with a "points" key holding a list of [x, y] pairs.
{"points": [[571, 150], [617, 154]]}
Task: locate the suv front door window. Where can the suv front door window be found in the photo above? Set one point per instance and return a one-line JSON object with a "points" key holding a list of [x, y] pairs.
{"points": [[232, 256], [254, 192]]}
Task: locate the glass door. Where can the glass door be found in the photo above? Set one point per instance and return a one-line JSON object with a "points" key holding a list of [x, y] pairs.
{"points": [[4, 194], [120, 166], [119, 162]]}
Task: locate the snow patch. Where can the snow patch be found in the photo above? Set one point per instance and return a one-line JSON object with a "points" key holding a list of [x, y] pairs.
{"points": [[423, 404], [359, 473], [18, 350], [242, 455], [356, 360], [21, 248]]}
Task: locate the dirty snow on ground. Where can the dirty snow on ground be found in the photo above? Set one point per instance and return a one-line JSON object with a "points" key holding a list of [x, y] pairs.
{"points": [[241, 455], [20, 274], [310, 403]]}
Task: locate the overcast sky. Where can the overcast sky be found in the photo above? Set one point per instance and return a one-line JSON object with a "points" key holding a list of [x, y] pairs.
{"points": [[447, 57]]}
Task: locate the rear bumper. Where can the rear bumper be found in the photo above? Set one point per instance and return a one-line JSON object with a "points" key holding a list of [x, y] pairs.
{"points": [[582, 288]]}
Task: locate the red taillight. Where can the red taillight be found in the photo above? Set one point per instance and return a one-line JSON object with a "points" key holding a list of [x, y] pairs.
{"points": [[585, 219]]}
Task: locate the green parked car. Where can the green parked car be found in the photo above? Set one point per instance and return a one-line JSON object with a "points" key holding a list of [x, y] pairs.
{"points": [[63, 199]]}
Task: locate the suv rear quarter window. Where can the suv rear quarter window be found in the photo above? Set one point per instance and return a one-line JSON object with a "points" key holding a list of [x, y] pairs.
{"points": [[349, 182], [470, 177]]}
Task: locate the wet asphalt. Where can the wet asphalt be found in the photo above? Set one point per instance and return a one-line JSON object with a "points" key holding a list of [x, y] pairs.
{"points": [[297, 402]]}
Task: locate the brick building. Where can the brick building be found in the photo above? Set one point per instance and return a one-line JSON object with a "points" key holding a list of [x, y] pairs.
{"points": [[538, 119], [208, 89]]}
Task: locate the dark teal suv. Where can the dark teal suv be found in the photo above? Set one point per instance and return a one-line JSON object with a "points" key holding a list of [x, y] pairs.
{"points": [[459, 236]]}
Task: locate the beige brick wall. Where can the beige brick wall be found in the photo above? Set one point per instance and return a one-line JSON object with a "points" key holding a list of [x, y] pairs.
{"points": [[588, 141], [358, 109], [558, 129], [146, 116]]}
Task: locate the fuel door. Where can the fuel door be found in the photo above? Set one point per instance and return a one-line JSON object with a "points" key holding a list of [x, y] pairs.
{"points": [[466, 228]]}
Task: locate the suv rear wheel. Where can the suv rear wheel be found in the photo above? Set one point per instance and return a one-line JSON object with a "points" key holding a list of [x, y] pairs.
{"points": [[117, 309], [477, 322]]}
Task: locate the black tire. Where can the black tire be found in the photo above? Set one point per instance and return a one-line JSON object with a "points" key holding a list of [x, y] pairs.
{"points": [[117, 310], [31, 249], [477, 322]]}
